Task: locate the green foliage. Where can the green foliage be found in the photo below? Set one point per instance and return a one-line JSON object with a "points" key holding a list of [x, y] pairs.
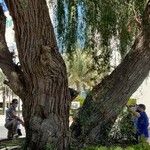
{"points": [[80, 99], [127, 128], [80, 73], [104, 17], [98, 26], [96, 148], [141, 146], [67, 18], [12, 143], [50, 147], [124, 130]]}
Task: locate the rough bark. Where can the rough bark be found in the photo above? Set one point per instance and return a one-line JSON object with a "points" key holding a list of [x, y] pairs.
{"points": [[46, 99], [105, 101], [10, 69]]}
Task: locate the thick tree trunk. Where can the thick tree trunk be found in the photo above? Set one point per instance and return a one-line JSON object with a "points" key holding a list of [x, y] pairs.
{"points": [[105, 101], [46, 101]]}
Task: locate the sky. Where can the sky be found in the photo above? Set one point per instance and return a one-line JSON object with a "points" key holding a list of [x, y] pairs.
{"points": [[2, 3]]}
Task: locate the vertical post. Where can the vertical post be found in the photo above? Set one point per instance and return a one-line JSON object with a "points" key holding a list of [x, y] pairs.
{"points": [[12, 93], [19, 107], [4, 99], [9, 98]]}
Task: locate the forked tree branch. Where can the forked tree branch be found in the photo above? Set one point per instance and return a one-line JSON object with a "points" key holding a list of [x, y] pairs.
{"points": [[9, 68]]}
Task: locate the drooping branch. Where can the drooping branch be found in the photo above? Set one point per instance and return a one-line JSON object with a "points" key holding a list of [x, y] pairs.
{"points": [[141, 45], [9, 68]]}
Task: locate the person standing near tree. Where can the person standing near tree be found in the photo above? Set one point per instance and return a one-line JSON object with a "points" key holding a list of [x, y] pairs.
{"points": [[12, 121], [142, 121]]}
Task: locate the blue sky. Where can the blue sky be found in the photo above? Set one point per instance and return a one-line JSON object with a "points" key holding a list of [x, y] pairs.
{"points": [[2, 3]]}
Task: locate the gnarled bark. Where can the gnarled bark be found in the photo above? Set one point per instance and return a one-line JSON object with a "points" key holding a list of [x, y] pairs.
{"points": [[46, 99]]}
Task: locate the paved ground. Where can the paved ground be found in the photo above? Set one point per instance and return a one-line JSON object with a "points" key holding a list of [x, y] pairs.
{"points": [[3, 130]]}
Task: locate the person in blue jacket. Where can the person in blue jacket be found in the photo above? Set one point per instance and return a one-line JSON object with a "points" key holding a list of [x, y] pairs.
{"points": [[142, 121]]}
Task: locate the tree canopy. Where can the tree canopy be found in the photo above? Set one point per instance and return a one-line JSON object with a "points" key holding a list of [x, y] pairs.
{"points": [[96, 26]]}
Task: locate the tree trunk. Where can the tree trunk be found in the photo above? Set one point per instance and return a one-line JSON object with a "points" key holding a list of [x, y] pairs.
{"points": [[46, 98], [105, 101]]}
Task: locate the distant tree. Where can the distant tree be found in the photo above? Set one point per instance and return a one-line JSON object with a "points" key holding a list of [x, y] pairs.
{"points": [[80, 72]]}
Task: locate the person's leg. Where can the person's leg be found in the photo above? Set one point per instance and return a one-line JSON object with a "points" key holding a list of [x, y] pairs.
{"points": [[10, 134], [12, 127], [18, 129], [15, 124], [9, 126]]}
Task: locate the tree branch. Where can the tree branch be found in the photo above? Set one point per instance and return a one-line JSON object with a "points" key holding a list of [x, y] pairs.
{"points": [[105, 101], [137, 19], [9, 68], [146, 19], [140, 46]]}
